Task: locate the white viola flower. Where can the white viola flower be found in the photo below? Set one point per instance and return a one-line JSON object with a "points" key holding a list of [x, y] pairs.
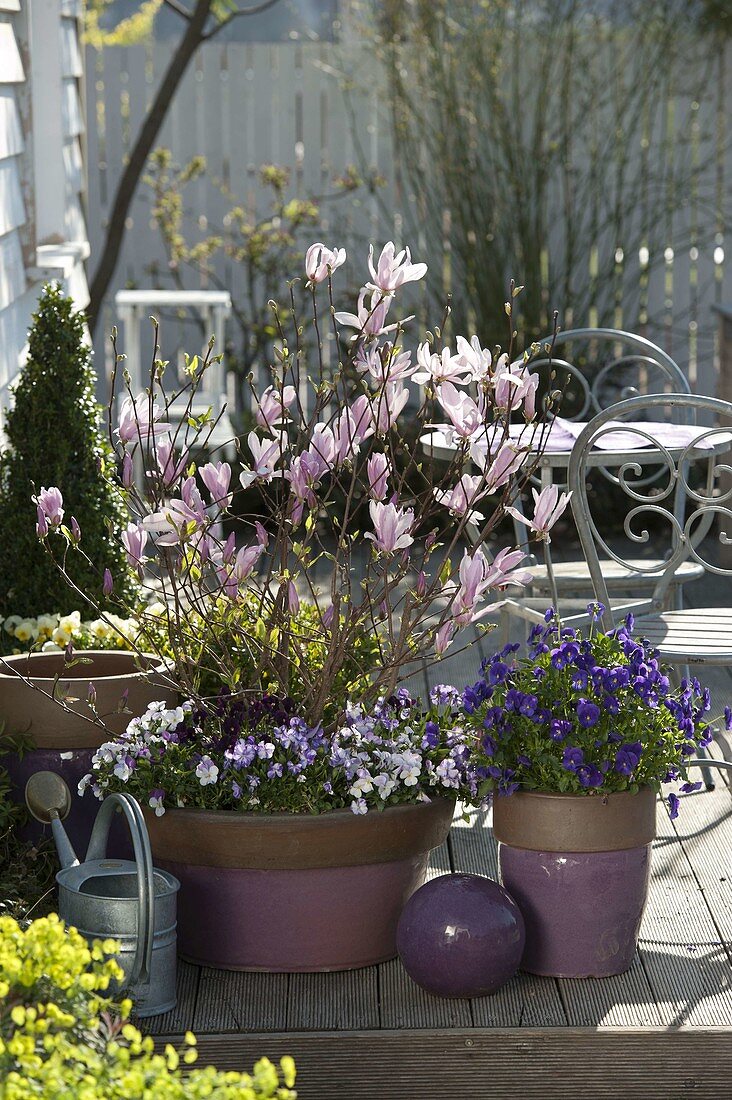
{"points": [[206, 771], [84, 782], [26, 630], [384, 785], [155, 802], [122, 770], [358, 806], [448, 773], [408, 767], [11, 622], [363, 784]]}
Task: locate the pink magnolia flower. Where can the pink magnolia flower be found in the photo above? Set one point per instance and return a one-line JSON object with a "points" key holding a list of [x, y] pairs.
{"points": [[322, 448], [75, 530], [134, 540], [217, 479], [393, 269], [391, 525], [508, 460], [137, 420], [293, 600], [384, 365], [369, 319], [107, 583], [548, 507], [515, 387], [476, 359], [170, 470], [444, 637], [273, 406], [346, 437], [460, 499], [233, 574], [181, 518], [319, 259], [477, 575], [303, 475], [50, 503], [465, 415], [377, 469], [128, 470], [439, 368], [266, 455], [388, 405], [41, 524], [362, 411]]}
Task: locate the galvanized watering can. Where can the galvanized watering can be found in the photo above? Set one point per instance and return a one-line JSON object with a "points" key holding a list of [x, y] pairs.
{"points": [[114, 898]]}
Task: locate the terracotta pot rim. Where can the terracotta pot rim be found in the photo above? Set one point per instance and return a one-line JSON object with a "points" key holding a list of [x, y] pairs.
{"points": [[544, 821], [157, 665], [335, 838]]}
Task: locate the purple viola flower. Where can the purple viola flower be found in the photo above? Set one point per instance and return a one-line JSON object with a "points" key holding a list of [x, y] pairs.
{"points": [[588, 713], [673, 806], [559, 728], [528, 705], [489, 745], [573, 758], [431, 735], [689, 788], [589, 776], [497, 672], [628, 757], [525, 761]]}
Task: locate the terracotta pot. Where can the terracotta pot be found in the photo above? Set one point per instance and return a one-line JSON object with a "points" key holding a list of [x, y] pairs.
{"points": [[578, 867], [295, 892], [64, 742], [23, 709]]}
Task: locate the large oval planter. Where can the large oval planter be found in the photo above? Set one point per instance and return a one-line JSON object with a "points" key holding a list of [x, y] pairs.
{"points": [[578, 867], [64, 742], [295, 892]]}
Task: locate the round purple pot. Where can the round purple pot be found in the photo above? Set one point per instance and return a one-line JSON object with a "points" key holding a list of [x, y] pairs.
{"points": [[578, 867], [295, 892]]}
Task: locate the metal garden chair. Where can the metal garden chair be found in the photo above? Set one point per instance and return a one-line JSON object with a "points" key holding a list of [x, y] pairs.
{"points": [[692, 490]]}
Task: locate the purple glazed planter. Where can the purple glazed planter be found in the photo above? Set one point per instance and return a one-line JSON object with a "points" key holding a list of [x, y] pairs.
{"points": [[582, 910], [578, 867], [295, 892]]}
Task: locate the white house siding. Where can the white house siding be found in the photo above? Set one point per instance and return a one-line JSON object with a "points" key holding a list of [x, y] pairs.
{"points": [[43, 231]]}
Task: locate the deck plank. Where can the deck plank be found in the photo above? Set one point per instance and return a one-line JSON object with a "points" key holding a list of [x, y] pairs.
{"points": [[231, 1000], [345, 1001], [181, 1018], [681, 951]]}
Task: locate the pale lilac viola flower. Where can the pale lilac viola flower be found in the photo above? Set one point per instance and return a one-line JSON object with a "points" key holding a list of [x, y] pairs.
{"points": [[134, 540], [378, 469], [266, 455], [206, 771], [138, 420], [369, 320], [466, 417], [548, 507], [393, 269], [438, 368], [460, 499], [388, 405], [217, 479], [321, 261], [50, 502], [391, 527], [273, 406]]}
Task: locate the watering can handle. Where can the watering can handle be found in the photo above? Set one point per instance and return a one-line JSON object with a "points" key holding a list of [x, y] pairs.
{"points": [[145, 883]]}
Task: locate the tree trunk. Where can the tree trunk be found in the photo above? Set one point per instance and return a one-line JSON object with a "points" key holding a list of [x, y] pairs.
{"points": [[141, 150]]}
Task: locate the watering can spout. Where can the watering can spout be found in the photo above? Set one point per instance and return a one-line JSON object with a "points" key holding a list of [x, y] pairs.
{"points": [[49, 800]]}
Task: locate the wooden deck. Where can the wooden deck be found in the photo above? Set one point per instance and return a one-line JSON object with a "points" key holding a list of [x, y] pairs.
{"points": [[663, 1031]]}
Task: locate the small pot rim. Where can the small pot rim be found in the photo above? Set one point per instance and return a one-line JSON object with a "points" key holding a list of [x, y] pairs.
{"points": [[547, 821]]}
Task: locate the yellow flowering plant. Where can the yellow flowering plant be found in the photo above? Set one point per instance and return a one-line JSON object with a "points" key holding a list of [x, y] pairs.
{"points": [[62, 1037], [53, 632]]}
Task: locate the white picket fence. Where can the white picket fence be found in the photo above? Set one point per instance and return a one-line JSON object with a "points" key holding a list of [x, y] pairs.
{"points": [[241, 105]]}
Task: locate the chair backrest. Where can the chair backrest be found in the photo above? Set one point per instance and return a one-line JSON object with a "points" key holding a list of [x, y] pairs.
{"points": [[593, 368], [691, 486]]}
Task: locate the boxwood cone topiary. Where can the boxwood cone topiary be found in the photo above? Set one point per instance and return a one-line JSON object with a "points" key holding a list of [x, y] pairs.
{"points": [[54, 437]]}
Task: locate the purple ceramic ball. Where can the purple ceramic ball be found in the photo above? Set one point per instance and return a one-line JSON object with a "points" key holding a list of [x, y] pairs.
{"points": [[461, 936]]}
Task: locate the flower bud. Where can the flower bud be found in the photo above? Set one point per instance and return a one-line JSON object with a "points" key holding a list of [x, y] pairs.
{"points": [[108, 583]]}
